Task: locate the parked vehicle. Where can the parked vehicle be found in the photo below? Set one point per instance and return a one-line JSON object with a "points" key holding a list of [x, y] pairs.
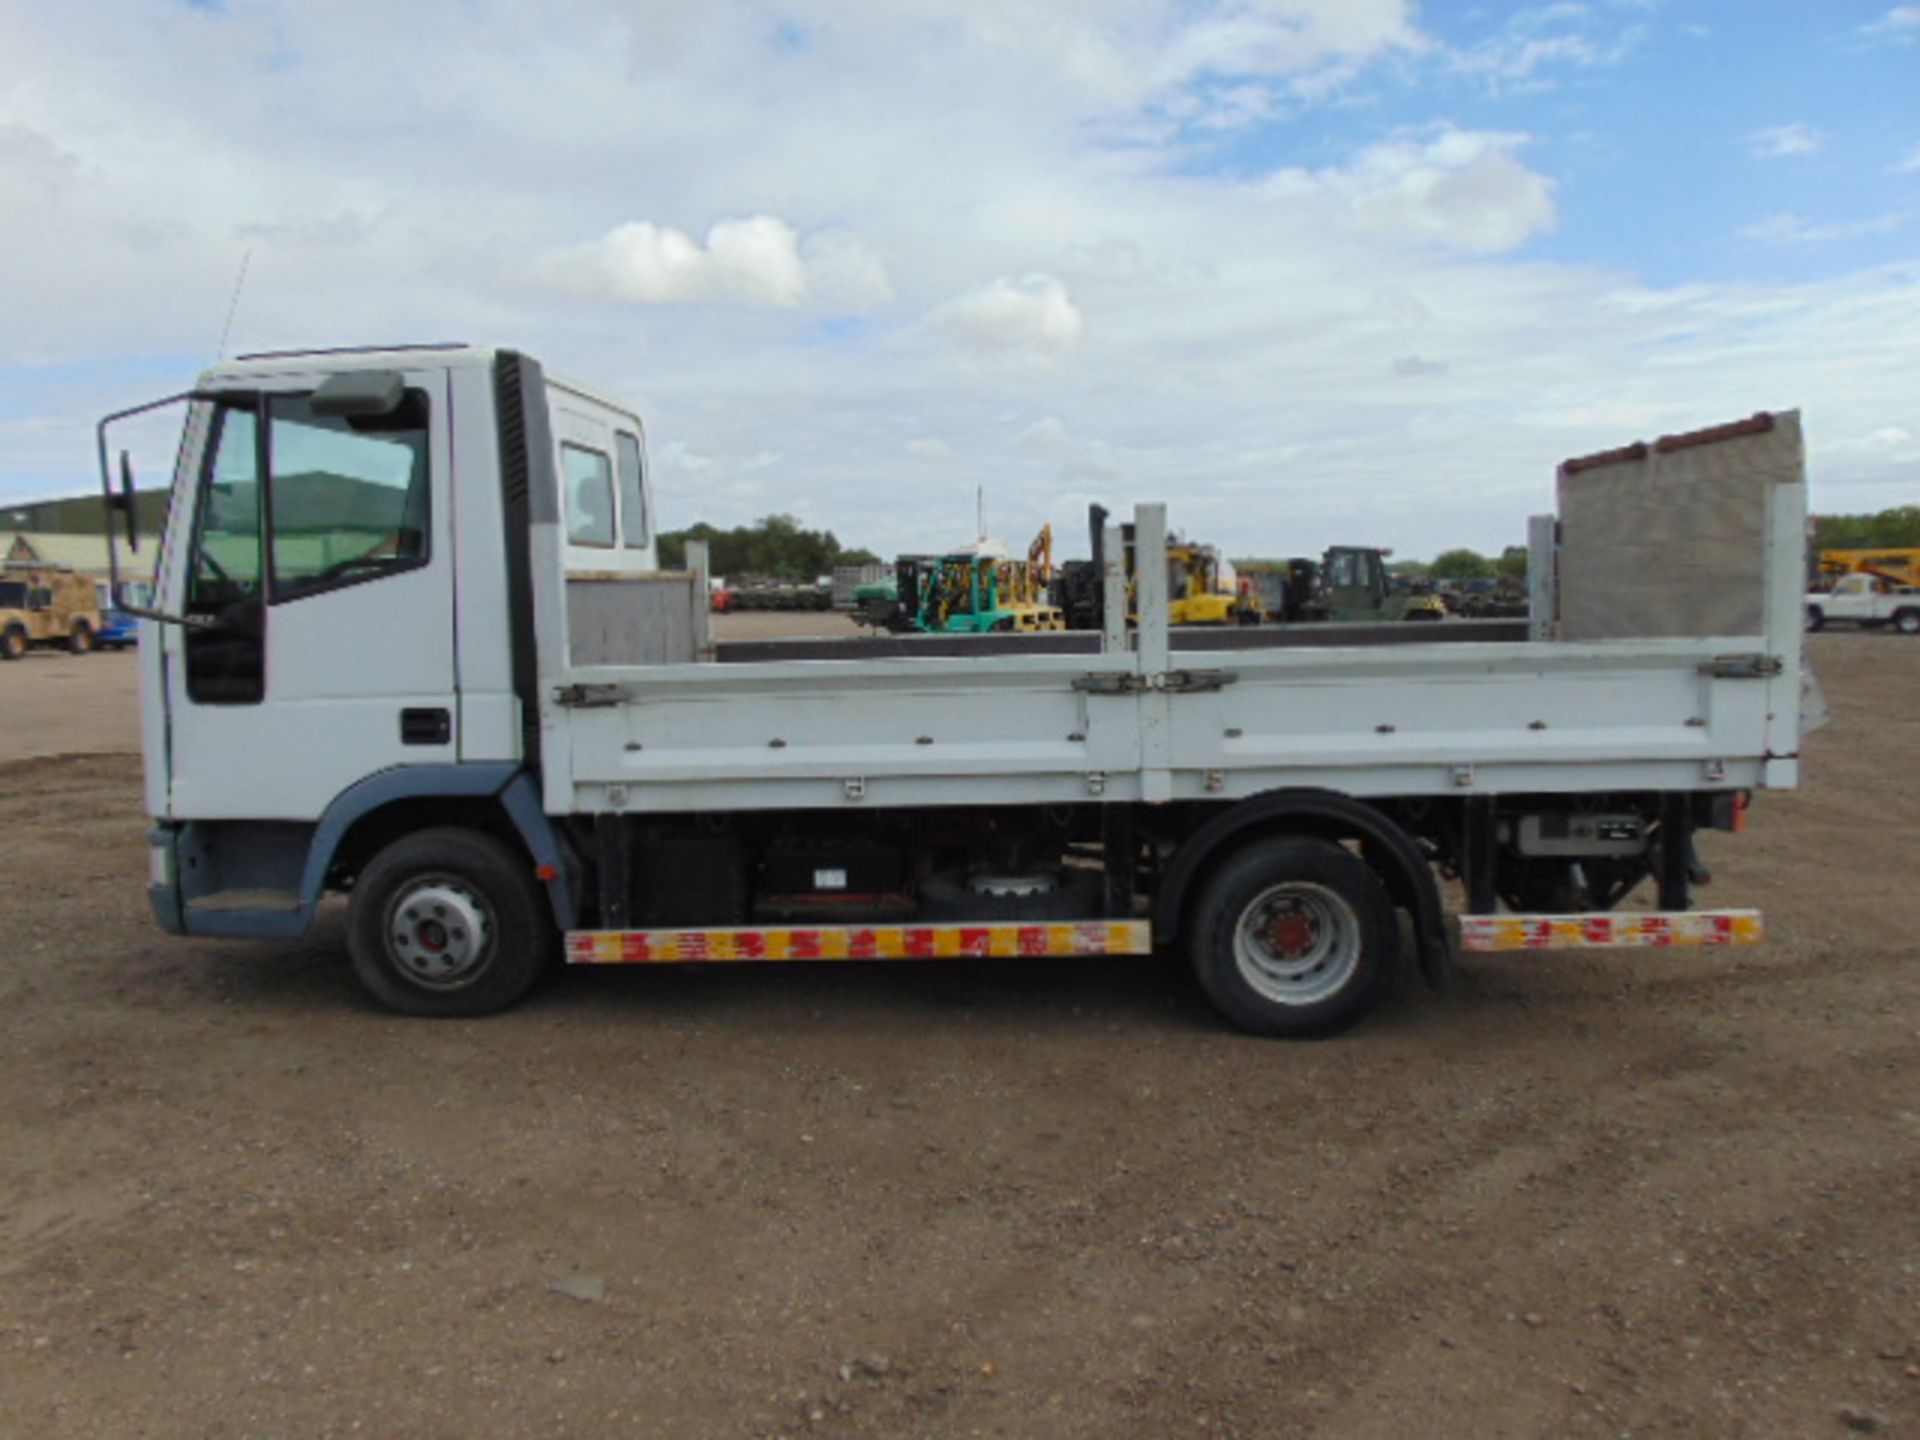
{"points": [[449, 726], [119, 628], [45, 606], [1869, 601]]}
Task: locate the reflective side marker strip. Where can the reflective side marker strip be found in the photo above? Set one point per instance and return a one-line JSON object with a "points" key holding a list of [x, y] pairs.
{"points": [[858, 942], [1592, 932]]}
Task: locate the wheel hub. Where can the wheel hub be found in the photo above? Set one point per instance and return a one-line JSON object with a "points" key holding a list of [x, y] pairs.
{"points": [[1298, 942], [1292, 935], [439, 933]]}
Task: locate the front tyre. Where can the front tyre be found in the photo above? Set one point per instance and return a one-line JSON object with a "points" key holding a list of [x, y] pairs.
{"points": [[1907, 622], [448, 923], [1293, 937]]}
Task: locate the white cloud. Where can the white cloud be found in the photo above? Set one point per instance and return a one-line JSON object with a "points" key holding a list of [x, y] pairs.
{"points": [[1911, 164], [1263, 353], [1458, 190], [1900, 24], [1280, 37], [1535, 42], [1780, 142], [1789, 229], [1033, 313], [757, 261]]}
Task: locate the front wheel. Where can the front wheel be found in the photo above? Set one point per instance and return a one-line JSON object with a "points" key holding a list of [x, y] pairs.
{"points": [[448, 923], [13, 643], [1293, 937], [1907, 622]]}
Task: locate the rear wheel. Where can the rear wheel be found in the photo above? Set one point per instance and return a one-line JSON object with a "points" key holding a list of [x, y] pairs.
{"points": [[448, 923], [1816, 617], [1907, 622], [13, 643], [1293, 937], [80, 641]]}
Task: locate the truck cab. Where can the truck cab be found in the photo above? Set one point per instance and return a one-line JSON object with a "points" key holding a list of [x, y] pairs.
{"points": [[334, 513]]}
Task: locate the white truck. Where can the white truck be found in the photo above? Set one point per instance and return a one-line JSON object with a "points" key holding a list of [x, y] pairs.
{"points": [[408, 643], [1867, 600]]}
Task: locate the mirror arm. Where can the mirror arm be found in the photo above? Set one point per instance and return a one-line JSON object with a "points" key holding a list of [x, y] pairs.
{"points": [[186, 622]]}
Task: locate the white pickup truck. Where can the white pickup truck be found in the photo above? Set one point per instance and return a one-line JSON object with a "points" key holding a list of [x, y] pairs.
{"points": [[409, 644], [1865, 600]]}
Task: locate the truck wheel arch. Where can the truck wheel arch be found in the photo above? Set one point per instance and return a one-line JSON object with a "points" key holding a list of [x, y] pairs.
{"points": [[1320, 814], [496, 798]]}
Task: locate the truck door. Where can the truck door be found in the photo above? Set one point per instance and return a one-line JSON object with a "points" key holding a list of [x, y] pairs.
{"points": [[320, 561]]}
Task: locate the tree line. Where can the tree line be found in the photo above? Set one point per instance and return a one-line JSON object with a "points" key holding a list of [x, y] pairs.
{"points": [[776, 546], [1895, 529]]}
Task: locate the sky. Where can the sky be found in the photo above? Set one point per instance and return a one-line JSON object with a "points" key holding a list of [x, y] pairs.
{"points": [[1310, 271]]}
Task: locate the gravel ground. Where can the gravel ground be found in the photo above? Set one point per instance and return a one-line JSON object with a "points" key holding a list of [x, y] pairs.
{"points": [[1603, 1194]]}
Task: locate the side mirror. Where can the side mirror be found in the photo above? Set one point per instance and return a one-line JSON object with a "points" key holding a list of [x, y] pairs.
{"points": [[125, 503]]}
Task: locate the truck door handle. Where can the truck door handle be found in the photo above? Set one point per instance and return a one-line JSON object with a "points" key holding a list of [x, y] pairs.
{"points": [[426, 727]]}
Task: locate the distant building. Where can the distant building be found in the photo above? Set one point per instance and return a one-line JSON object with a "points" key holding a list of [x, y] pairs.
{"points": [[84, 553], [83, 514]]}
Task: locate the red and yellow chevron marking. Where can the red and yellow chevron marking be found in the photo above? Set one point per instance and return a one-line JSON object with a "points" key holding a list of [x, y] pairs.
{"points": [[858, 942], [1592, 932]]}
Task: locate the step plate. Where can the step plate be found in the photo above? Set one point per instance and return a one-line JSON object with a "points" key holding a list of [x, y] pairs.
{"points": [[858, 942], [1609, 929]]}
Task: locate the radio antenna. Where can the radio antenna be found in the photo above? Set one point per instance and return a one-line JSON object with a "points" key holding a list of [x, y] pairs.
{"points": [[239, 284]]}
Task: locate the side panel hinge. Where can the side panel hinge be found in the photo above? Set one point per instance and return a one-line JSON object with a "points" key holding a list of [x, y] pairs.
{"points": [[588, 697], [1743, 667], [1173, 682]]}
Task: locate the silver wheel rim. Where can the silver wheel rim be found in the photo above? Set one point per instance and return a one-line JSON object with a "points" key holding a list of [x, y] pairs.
{"points": [[1297, 943], [439, 933]]}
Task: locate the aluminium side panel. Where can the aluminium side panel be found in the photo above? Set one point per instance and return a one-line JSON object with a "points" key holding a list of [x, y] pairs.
{"points": [[1675, 538]]}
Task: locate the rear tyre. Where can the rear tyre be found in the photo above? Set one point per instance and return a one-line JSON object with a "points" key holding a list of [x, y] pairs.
{"points": [[1907, 622], [448, 923], [80, 641], [13, 643], [1294, 938], [1816, 617]]}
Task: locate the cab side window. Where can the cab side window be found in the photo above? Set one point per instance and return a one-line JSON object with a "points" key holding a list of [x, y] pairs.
{"points": [[349, 497], [633, 490], [588, 479]]}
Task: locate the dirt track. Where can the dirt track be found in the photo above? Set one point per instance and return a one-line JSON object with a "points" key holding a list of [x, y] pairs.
{"points": [[1611, 1194]]}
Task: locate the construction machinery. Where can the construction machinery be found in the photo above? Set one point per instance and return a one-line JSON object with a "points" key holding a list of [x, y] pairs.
{"points": [[978, 591], [1205, 587], [1202, 585], [1894, 565]]}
